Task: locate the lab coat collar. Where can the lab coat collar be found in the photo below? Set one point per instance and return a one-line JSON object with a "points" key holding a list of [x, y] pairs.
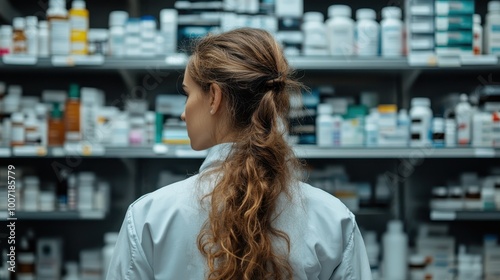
{"points": [[216, 154]]}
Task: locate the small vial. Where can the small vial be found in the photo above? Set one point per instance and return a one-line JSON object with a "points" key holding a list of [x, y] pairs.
{"points": [[18, 132], [438, 129], [450, 132], [43, 39], [5, 39], [19, 39], [477, 41], [473, 198], [31, 35]]}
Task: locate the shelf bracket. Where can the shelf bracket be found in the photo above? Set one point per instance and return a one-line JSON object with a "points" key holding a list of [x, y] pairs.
{"points": [[128, 78], [408, 79], [134, 8], [8, 12]]}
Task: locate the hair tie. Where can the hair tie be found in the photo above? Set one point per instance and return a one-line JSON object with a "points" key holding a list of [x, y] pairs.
{"points": [[277, 84]]}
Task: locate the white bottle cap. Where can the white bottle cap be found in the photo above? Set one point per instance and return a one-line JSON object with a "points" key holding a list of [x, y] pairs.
{"points": [[17, 117], [365, 14], [464, 98], [16, 90], [43, 24], [417, 260], [395, 226], [19, 23], [391, 12], [477, 19], [168, 15], [118, 18], [6, 31], [57, 3], [313, 16], [420, 101], [71, 269], [339, 11], [494, 6], [78, 4], [31, 21], [325, 109]]}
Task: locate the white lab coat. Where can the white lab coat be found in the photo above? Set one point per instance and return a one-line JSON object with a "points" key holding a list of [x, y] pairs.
{"points": [[158, 238]]}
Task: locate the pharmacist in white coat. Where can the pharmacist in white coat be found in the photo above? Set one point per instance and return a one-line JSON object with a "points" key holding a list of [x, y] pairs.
{"points": [[245, 215]]}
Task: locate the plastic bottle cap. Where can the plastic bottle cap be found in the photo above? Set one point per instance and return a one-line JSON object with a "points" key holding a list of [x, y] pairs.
{"points": [[118, 18], [391, 12], [148, 22], [17, 117], [325, 109], [19, 23], [110, 237], [78, 4], [56, 111], [339, 11], [440, 191], [71, 269], [420, 102], [494, 6], [464, 98], [6, 31], [473, 189], [57, 3], [417, 260], [43, 24], [365, 14], [403, 112], [74, 91], [395, 226], [456, 191], [31, 21], [313, 16], [168, 15], [477, 19]]}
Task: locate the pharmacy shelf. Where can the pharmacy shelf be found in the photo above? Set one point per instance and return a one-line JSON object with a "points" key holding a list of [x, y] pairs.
{"points": [[178, 62], [465, 215], [54, 215], [301, 151], [424, 152]]}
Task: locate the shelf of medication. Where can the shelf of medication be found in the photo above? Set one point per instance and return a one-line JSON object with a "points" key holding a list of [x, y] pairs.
{"points": [[55, 215], [301, 151], [178, 62], [440, 215]]}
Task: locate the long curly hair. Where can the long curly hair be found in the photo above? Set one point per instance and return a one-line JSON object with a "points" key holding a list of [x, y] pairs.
{"points": [[239, 239]]}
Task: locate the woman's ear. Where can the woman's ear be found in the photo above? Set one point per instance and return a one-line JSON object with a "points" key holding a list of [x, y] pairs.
{"points": [[215, 98]]}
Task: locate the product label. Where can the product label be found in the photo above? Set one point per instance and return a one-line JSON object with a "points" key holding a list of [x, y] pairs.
{"points": [[79, 23], [78, 47], [117, 45], [494, 39], [367, 41], [19, 46], [342, 41], [464, 131], [392, 41], [60, 37], [18, 134]]}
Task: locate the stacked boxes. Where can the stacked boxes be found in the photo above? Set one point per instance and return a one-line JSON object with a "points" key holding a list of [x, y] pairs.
{"points": [[453, 24], [420, 15]]}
